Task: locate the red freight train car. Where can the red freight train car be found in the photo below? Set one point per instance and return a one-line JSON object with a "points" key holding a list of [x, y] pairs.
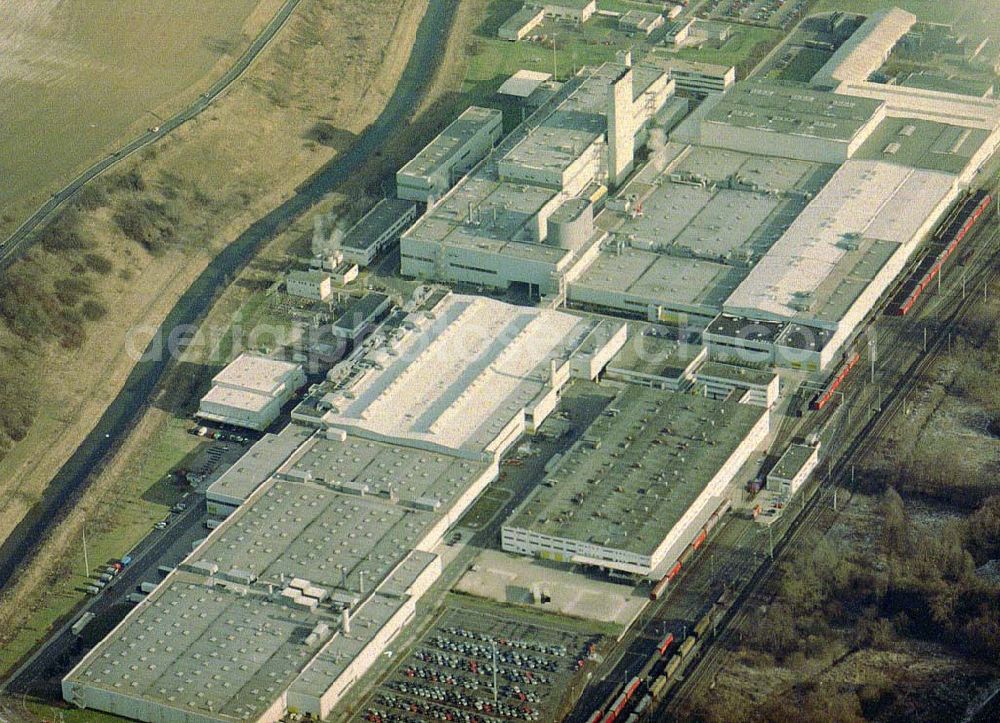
{"points": [[665, 643], [824, 397], [971, 212]]}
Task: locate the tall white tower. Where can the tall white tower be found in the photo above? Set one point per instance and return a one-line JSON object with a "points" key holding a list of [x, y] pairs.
{"points": [[621, 134]]}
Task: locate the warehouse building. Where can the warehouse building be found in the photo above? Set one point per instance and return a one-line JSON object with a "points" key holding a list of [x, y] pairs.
{"points": [[867, 49], [525, 84], [496, 227], [293, 597], [638, 482], [450, 155], [577, 11], [328, 543], [771, 118], [746, 385], [653, 359], [313, 285], [377, 231], [684, 232], [840, 254], [521, 23], [361, 316], [250, 391], [254, 468], [697, 78], [363, 242], [792, 469], [639, 22]]}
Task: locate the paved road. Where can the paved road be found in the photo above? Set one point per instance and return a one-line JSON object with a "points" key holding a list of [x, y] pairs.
{"points": [[20, 241], [121, 414], [110, 605]]}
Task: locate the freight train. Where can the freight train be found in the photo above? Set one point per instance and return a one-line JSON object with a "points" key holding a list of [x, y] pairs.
{"points": [[658, 682], [823, 398], [970, 211], [657, 592]]}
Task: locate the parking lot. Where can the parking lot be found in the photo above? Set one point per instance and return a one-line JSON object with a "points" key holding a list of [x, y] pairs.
{"points": [[768, 13], [449, 674]]}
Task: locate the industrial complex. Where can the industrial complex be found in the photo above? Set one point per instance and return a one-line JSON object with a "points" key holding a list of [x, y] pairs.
{"points": [[688, 277]]}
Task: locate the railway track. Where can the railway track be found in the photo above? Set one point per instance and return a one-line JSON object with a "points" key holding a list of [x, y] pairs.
{"points": [[818, 512]]}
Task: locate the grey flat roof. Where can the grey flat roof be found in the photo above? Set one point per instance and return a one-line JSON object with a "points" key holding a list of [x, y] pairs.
{"points": [[647, 353], [737, 374], [745, 328], [680, 65], [440, 150], [660, 278], [558, 141], [809, 338], [259, 463], [361, 311], [919, 143], [519, 19], [232, 645], [771, 106], [793, 460], [366, 232], [654, 460]]}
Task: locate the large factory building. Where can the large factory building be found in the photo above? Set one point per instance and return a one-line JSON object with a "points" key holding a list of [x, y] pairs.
{"points": [[640, 482], [520, 216], [328, 543]]}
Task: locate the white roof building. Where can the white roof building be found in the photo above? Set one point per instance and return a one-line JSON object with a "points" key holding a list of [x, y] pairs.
{"points": [[523, 83], [470, 375], [250, 391], [867, 49], [863, 200]]}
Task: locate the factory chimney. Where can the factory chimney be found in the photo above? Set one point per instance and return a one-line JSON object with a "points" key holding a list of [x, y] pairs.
{"points": [[346, 621]]}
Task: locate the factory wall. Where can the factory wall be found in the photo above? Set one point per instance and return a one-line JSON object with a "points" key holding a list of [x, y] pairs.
{"points": [[761, 395], [475, 266], [136, 708], [322, 705], [589, 366], [635, 304], [435, 534], [789, 487], [257, 420], [417, 187]]}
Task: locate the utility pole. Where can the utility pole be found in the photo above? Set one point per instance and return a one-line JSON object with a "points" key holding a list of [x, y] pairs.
{"points": [[495, 695], [835, 498], [770, 540], [86, 560], [554, 67], [925, 339]]}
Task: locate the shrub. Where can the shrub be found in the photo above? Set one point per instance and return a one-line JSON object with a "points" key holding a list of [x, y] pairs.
{"points": [[91, 197], [98, 264], [146, 222], [93, 310], [63, 233]]}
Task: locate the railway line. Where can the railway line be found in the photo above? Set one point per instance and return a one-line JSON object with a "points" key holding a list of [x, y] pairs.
{"points": [[818, 512], [869, 398]]}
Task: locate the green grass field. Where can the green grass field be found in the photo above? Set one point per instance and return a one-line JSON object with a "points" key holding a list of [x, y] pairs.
{"points": [[77, 77], [736, 49]]}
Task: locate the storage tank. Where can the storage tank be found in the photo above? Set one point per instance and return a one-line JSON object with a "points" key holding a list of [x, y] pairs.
{"points": [[572, 224]]}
